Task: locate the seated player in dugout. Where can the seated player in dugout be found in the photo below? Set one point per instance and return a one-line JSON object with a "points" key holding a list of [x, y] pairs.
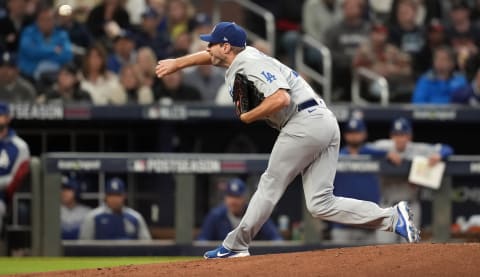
{"points": [[226, 216], [14, 161], [72, 212], [113, 220]]}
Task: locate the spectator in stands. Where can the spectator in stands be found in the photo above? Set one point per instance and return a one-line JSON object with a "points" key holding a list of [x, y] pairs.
{"points": [[206, 79], [145, 63], [135, 8], [150, 36], [173, 88], [288, 21], [13, 88], [437, 85], [179, 16], [181, 45], [343, 39], [101, 84], [202, 24], [363, 186], [400, 147], [107, 19], [426, 10], [34, 6], [406, 34], [13, 24], [78, 33], [114, 221], [132, 83], [436, 37], [160, 7], [66, 89], [469, 95], [72, 213], [462, 34], [123, 52], [225, 217], [387, 60], [43, 47], [14, 161], [319, 16]]}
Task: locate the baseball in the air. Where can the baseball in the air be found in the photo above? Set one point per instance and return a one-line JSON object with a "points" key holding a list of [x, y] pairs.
{"points": [[65, 10]]}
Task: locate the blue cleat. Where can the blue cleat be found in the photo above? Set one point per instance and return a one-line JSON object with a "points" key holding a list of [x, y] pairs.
{"points": [[405, 226], [223, 252]]}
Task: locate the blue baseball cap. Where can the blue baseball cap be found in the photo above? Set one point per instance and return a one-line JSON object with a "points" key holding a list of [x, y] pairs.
{"points": [[4, 108], [227, 32], [69, 182], [236, 187], [115, 186], [355, 125], [401, 126]]}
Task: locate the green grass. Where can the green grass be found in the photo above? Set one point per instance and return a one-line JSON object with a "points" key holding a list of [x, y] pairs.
{"points": [[39, 264]]}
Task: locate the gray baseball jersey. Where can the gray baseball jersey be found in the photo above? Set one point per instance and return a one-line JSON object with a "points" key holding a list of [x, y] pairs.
{"points": [[308, 144], [269, 75], [71, 218]]}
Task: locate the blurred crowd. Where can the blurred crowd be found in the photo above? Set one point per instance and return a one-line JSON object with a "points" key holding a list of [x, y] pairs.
{"points": [[104, 51], [427, 50], [101, 52]]}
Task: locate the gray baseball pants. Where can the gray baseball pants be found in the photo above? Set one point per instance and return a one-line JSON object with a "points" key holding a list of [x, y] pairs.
{"points": [[307, 144]]}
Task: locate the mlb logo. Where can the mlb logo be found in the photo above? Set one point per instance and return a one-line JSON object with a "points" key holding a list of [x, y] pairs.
{"points": [[139, 165]]}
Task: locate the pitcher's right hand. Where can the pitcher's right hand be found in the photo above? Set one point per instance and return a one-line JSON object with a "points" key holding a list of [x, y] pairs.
{"points": [[165, 67]]}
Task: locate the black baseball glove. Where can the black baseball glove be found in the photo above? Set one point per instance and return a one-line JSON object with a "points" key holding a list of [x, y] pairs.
{"points": [[245, 95]]}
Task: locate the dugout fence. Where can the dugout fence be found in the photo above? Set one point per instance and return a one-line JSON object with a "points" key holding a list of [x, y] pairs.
{"points": [[46, 174]]}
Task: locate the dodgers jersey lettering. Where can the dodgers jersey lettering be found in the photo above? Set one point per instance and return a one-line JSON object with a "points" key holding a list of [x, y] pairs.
{"points": [[269, 75]]}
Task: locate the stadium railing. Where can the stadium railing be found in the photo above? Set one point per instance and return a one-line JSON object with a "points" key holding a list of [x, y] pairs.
{"points": [[325, 78], [364, 73]]}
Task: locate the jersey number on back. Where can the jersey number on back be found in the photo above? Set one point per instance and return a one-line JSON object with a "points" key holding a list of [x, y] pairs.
{"points": [[269, 76]]}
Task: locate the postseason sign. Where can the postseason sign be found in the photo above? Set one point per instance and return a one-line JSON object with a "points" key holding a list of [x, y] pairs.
{"points": [[176, 165]]}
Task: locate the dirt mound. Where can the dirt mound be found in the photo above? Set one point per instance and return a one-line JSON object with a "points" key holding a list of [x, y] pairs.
{"points": [[386, 260]]}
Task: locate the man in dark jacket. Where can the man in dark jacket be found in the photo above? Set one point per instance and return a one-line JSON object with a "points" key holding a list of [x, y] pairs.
{"points": [[225, 217]]}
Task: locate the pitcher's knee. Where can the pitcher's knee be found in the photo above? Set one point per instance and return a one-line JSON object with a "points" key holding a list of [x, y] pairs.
{"points": [[271, 186], [321, 207]]}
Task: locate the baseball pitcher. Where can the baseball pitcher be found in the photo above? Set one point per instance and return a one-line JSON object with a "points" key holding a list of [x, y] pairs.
{"points": [[308, 143]]}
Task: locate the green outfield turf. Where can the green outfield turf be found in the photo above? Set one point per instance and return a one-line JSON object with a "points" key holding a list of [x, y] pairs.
{"points": [[38, 264]]}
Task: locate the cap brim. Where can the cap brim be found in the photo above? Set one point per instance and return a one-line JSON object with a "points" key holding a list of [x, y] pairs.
{"points": [[207, 38]]}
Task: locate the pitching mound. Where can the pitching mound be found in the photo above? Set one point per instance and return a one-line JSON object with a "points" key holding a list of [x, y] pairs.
{"points": [[386, 260]]}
